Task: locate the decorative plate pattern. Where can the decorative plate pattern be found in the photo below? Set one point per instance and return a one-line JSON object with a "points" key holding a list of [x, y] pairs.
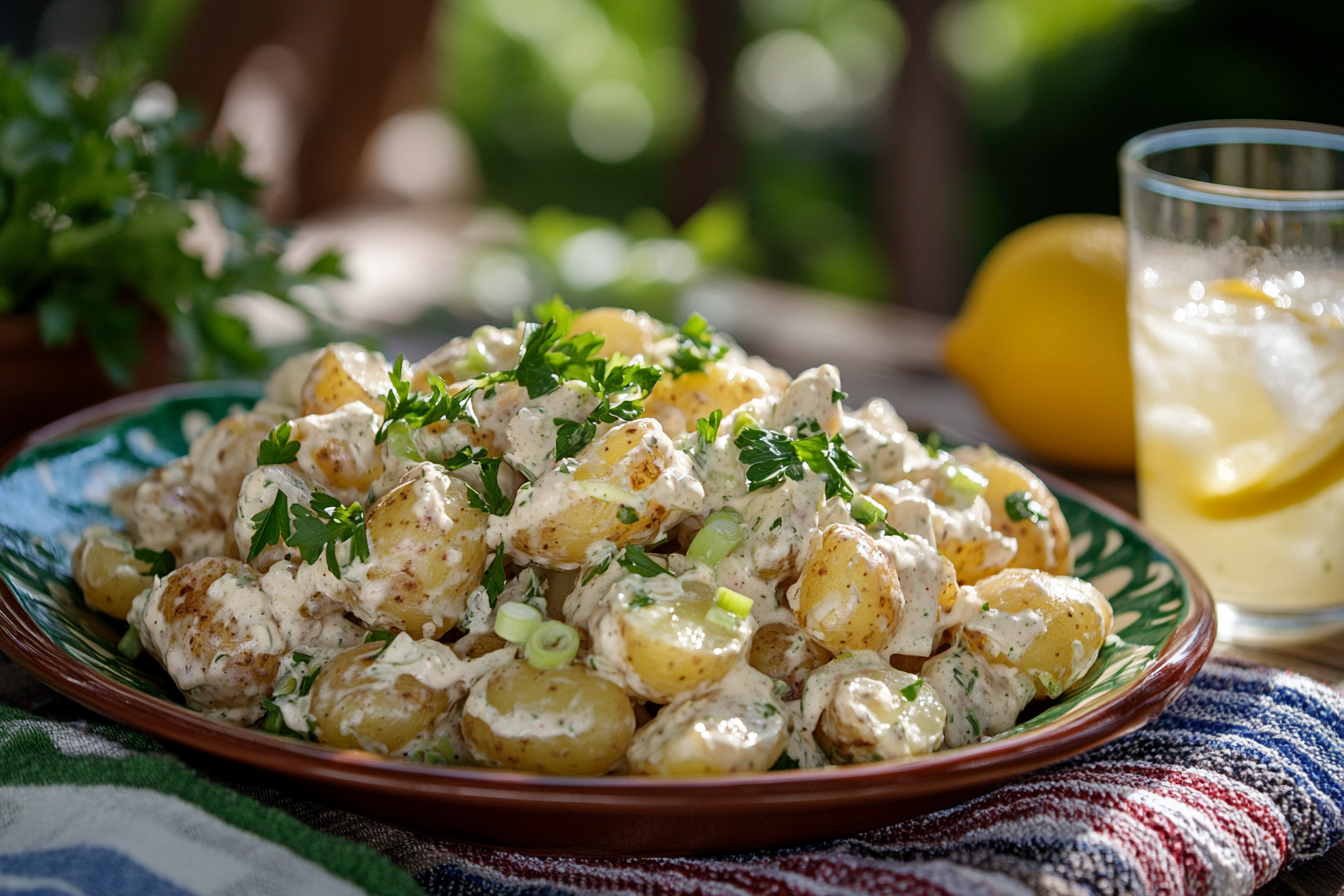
{"points": [[51, 492]]}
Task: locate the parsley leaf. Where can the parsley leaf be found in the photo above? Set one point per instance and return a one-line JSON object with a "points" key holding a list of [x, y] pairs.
{"points": [[637, 561], [534, 371], [327, 524], [161, 563], [622, 387], [708, 427], [386, 637], [628, 515], [276, 448], [771, 456], [272, 526], [494, 500], [1021, 506], [639, 600], [493, 580], [555, 309], [838, 395], [598, 570], [911, 691], [414, 410], [695, 347]]}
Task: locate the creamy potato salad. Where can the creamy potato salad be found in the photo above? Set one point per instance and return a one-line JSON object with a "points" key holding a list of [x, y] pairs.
{"points": [[594, 544]]}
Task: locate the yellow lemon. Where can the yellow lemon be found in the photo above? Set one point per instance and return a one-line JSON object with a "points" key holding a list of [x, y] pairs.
{"points": [[1043, 339]]}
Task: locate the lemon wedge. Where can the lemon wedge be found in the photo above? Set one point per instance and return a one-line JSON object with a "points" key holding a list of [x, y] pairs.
{"points": [[1255, 292]]}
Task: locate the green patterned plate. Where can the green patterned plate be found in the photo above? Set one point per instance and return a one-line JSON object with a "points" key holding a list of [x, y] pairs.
{"points": [[60, 481]]}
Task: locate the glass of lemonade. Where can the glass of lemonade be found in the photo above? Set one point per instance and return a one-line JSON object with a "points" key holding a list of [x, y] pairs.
{"points": [[1236, 308]]}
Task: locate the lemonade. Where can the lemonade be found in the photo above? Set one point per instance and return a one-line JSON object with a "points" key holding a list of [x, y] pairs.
{"points": [[1239, 391]]}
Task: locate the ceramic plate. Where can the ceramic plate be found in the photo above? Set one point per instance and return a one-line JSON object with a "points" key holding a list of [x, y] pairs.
{"points": [[58, 481]]}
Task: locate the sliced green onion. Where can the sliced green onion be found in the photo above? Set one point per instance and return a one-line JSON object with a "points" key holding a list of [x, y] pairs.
{"points": [[737, 604], [866, 511], [551, 644], [722, 618], [742, 421], [274, 722], [400, 441], [966, 483], [516, 621], [129, 646], [722, 532], [286, 687]]}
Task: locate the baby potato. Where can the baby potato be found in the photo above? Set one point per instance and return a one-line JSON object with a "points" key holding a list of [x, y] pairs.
{"points": [[225, 453], [785, 653], [1041, 544], [678, 402], [628, 332], [359, 703], [427, 553], [739, 727], [338, 450], [811, 397], [209, 624], [663, 639], [848, 596], [105, 569], [256, 496], [1056, 648], [879, 713], [343, 373], [169, 513], [487, 349], [563, 721], [628, 472]]}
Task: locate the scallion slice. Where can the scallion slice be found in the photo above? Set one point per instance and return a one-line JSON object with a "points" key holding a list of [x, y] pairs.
{"points": [[722, 618], [400, 441], [866, 511], [129, 646], [722, 532], [966, 483], [286, 687], [552, 644], [516, 621], [737, 604]]}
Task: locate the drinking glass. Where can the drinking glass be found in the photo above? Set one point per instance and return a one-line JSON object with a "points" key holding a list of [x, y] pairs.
{"points": [[1236, 316]]}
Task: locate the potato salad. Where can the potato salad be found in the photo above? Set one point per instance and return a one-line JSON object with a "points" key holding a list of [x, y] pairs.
{"points": [[594, 544]]}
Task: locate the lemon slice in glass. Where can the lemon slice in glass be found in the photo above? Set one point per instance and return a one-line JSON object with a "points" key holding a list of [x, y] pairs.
{"points": [[1293, 475]]}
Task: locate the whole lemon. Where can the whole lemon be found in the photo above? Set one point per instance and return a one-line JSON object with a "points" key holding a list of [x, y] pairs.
{"points": [[1044, 340]]}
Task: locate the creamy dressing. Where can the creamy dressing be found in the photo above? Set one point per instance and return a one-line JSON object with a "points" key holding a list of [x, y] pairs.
{"points": [[532, 431], [982, 698], [924, 575], [256, 496], [866, 711], [809, 398], [338, 450]]}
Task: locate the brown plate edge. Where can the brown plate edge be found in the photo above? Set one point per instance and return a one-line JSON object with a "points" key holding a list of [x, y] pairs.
{"points": [[997, 761]]}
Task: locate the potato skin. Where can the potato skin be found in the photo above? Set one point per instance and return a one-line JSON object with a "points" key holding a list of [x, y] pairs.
{"points": [[343, 373], [1074, 611], [626, 331], [564, 721], [105, 569], [223, 652], [1043, 545], [672, 650], [225, 453], [848, 595], [678, 402], [420, 574], [559, 519], [785, 653], [353, 708]]}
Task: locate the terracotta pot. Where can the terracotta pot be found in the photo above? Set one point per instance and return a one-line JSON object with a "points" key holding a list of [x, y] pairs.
{"points": [[42, 384]]}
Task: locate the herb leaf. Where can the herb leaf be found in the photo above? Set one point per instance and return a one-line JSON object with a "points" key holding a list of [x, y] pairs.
{"points": [[598, 570], [276, 448], [639, 601], [911, 691], [708, 427], [272, 526], [627, 515], [386, 637], [695, 347], [327, 524], [493, 580], [494, 500], [1021, 506], [161, 563], [771, 456], [637, 561]]}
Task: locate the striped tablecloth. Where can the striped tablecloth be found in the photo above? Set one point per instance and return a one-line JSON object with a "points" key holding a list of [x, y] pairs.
{"points": [[1241, 777]]}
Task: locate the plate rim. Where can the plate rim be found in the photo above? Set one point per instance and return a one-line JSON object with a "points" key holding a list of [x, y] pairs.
{"points": [[975, 766]]}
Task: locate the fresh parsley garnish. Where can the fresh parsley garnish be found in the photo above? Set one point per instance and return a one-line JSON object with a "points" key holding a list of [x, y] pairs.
{"points": [[772, 456], [598, 569], [779, 521], [622, 387], [889, 529], [708, 427], [1021, 506], [639, 600], [838, 395], [637, 561], [628, 515], [386, 637], [911, 691], [494, 500], [161, 563], [272, 526], [328, 523], [695, 347], [493, 580], [415, 410], [276, 448]]}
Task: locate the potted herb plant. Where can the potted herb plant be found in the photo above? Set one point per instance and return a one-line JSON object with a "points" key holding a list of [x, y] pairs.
{"points": [[101, 176]]}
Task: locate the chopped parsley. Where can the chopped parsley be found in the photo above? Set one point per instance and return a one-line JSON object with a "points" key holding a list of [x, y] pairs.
{"points": [[276, 448], [493, 580], [639, 600], [838, 395], [771, 456], [634, 559], [708, 427], [779, 521], [768, 709], [385, 637], [628, 515], [695, 347], [272, 526], [598, 569], [911, 691], [161, 563], [1021, 506], [494, 500], [319, 530]]}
